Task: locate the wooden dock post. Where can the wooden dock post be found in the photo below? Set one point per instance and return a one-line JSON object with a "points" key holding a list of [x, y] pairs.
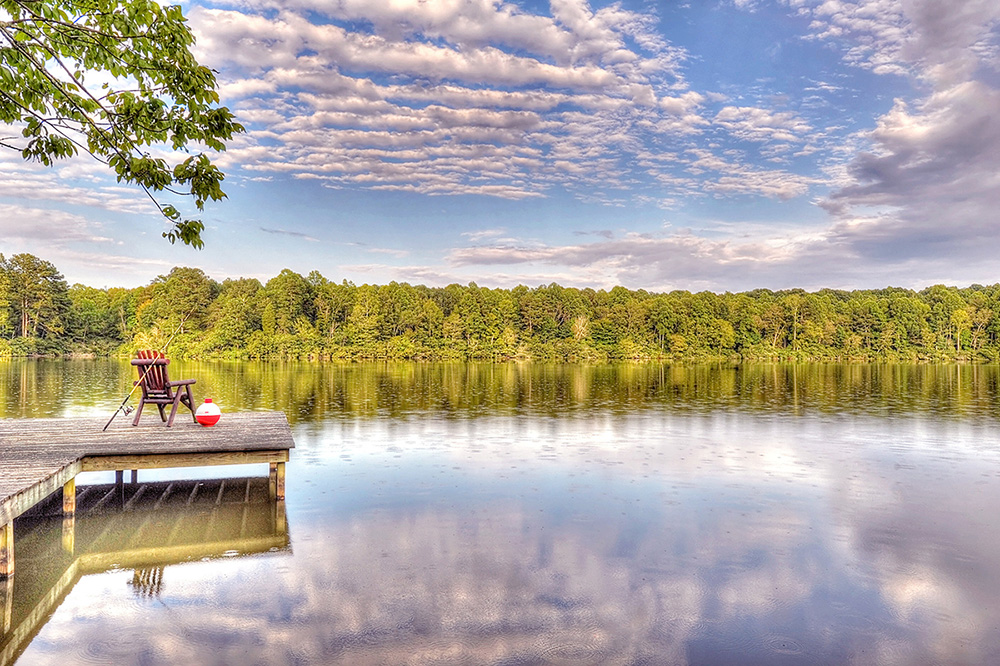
{"points": [[7, 550], [277, 480]]}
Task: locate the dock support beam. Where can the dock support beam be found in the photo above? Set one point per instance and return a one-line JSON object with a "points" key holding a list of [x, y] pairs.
{"points": [[277, 481], [7, 550]]}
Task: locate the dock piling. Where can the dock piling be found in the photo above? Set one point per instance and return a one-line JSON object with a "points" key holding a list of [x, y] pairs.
{"points": [[7, 550], [69, 497], [277, 478]]}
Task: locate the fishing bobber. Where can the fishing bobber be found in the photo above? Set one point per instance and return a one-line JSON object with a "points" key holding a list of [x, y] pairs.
{"points": [[208, 413]]}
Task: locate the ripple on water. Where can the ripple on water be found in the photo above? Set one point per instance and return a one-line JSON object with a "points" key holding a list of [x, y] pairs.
{"points": [[110, 650], [582, 649], [778, 644]]}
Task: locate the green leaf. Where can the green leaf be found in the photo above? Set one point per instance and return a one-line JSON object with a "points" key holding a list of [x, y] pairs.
{"points": [[164, 96]]}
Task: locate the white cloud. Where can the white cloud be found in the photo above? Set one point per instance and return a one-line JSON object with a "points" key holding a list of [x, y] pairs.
{"points": [[929, 167], [757, 124], [475, 236], [477, 97], [23, 223], [941, 42], [735, 256]]}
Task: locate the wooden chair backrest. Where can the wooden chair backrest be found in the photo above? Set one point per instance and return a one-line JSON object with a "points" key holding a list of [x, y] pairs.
{"points": [[155, 373]]}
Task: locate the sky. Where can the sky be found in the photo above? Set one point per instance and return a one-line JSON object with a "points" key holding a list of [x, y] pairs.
{"points": [[726, 145]]}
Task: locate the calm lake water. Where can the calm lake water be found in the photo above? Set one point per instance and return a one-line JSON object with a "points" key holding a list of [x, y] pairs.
{"points": [[535, 514]]}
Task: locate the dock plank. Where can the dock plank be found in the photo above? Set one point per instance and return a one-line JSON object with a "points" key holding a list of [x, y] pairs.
{"points": [[39, 455]]}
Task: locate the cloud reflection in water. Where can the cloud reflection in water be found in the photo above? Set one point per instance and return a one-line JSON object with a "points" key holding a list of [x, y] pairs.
{"points": [[644, 538]]}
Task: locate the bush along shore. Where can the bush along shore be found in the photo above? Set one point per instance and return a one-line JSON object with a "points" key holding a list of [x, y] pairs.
{"points": [[310, 317]]}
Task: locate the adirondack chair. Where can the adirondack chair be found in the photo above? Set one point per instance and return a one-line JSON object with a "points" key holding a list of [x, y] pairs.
{"points": [[157, 389]]}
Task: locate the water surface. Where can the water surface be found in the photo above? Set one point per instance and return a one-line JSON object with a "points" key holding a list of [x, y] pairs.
{"points": [[527, 514]]}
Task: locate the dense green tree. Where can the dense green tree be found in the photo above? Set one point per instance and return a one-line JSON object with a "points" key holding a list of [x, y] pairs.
{"points": [[943, 302], [4, 299], [38, 297], [123, 303], [236, 314], [401, 309], [292, 297], [115, 79], [365, 322], [312, 317], [663, 320], [176, 304], [332, 303], [90, 315]]}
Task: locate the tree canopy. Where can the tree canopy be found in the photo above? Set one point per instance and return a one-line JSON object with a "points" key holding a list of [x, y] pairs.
{"points": [[291, 316], [115, 79]]}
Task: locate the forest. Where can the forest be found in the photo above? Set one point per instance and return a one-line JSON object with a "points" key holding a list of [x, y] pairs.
{"points": [[293, 316]]}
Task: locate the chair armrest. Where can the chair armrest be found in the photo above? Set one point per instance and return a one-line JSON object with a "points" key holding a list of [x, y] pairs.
{"points": [[182, 382], [150, 361]]}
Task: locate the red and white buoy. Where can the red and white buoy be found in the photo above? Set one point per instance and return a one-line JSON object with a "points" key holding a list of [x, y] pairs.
{"points": [[208, 413]]}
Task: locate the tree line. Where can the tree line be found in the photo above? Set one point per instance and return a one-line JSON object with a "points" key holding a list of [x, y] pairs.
{"points": [[311, 317]]}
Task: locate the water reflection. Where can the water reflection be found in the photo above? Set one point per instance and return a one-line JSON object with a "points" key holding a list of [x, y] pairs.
{"points": [[311, 391], [565, 515], [143, 527], [681, 540]]}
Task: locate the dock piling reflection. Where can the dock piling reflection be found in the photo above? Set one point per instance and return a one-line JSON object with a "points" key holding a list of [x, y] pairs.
{"points": [[155, 525], [7, 601], [69, 533]]}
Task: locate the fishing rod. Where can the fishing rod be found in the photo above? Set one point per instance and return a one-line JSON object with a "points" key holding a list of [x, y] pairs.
{"points": [[127, 410]]}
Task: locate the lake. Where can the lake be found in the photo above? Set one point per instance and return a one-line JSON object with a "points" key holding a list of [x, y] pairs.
{"points": [[537, 514]]}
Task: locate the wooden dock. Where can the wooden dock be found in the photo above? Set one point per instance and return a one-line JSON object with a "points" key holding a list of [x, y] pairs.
{"points": [[40, 456]]}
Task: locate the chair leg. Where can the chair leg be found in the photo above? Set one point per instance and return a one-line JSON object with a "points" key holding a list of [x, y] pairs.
{"points": [[138, 413], [173, 408], [163, 415], [190, 403]]}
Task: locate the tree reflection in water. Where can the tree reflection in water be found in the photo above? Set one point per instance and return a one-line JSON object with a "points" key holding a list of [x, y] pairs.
{"points": [[316, 391]]}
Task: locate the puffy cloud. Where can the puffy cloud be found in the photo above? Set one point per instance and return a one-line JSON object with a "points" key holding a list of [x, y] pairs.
{"points": [[475, 97], [55, 227], [71, 181], [941, 42], [735, 256], [756, 124], [923, 184]]}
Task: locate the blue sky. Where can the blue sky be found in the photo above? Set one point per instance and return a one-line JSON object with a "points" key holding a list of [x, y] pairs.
{"points": [[723, 145]]}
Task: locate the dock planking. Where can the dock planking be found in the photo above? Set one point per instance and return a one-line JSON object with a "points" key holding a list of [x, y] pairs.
{"points": [[39, 456]]}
